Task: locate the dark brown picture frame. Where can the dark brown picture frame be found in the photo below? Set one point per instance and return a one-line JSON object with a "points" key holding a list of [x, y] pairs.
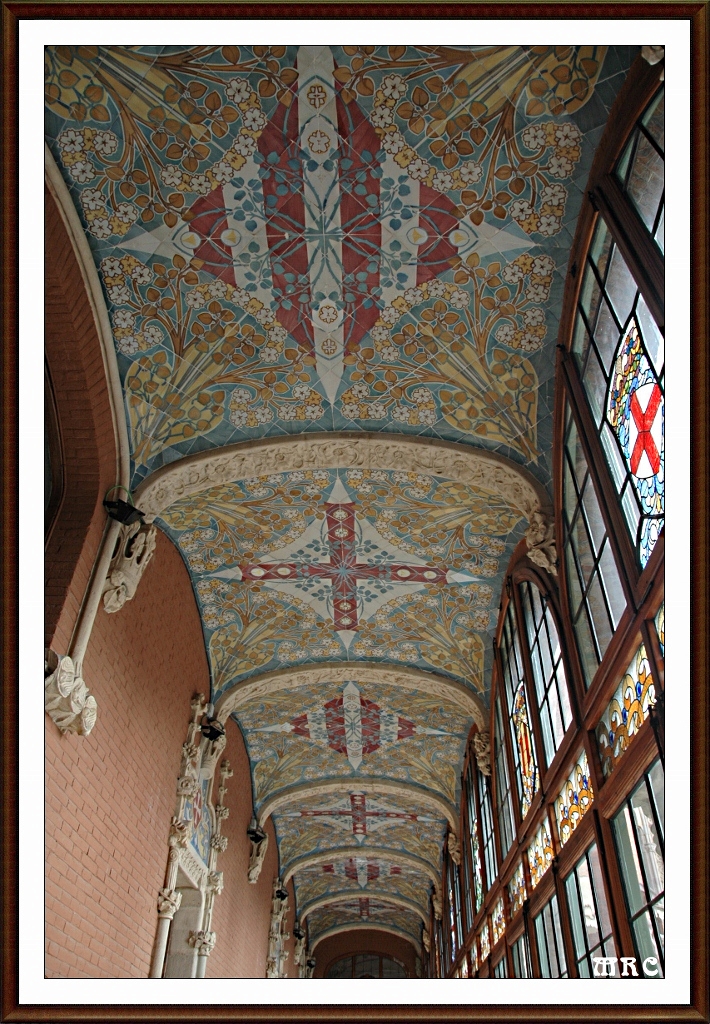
{"points": [[697, 14]]}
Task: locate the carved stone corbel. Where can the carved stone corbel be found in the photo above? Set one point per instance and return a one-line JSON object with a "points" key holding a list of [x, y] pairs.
{"points": [[436, 903], [256, 858], [482, 747], [540, 536], [299, 950], [454, 848], [134, 550], [169, 901], [67, 700], [426, 941]]}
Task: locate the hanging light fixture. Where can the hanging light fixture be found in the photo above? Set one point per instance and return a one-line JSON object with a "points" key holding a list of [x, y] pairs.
{"points": [[255, 832], [211, 728], [122, 511], [281, 891]]}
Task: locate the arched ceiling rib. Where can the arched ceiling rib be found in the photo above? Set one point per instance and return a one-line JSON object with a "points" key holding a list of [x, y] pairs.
{"points": [[333, 276]]}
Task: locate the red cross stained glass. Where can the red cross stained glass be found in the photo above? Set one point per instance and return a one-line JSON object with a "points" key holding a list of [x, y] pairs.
{"points": [[644, 421], [343, 570]]}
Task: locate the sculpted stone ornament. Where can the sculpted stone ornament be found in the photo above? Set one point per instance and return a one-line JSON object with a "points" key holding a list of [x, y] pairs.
{"points": [[256, 858], [454, 848], [203, 941], [215, 882], [169, 901], [219, 843], [540, 536], [67, 700], [480, 470], [134, 550], [179, 833], [436, 903], [654, 55], [299, 950], [310, 966], [482, 747], [426, 941]]}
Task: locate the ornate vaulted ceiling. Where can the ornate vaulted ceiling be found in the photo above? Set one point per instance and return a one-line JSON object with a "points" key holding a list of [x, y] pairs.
{"points": [[334, 278]]}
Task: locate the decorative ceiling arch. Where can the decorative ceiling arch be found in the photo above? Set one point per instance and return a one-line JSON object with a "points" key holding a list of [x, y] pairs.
{"points": [[338, 929], [336, 897], [443, 808], [332, 278], [406, 679], [483, 471], [352, 852]]}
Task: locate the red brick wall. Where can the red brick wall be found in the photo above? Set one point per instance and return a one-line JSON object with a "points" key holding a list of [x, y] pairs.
{"points": [[363, 941], [241, 914], [110, 796], [78, 381]]}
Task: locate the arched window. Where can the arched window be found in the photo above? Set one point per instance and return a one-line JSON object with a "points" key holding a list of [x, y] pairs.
{"points": [[577, 688]]}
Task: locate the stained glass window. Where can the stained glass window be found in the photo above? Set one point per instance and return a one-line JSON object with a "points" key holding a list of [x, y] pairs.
{"points": [[489, 849], [595, 594], [472, 853], [639, 834], [574, 800], [548, 669], [498, 921], [484, 939], [626, 712], [640, 169], [661, 628], [522, 966], [473, 953], [620, 354], [517, 893], [550, 948], [589, 914], [540, 853], [526, 771], [504, 802]]}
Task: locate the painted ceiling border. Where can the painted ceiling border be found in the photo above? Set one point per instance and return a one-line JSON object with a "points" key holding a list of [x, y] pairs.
{"points": [[347, 896], [374, 853], [484, 471], [343, 787], [257, 688]]}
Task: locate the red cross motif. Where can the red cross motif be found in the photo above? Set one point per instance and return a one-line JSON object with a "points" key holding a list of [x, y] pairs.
{"points": [[644, 421], [364, 906], [342, 570], [359, 814], [354, 870]]}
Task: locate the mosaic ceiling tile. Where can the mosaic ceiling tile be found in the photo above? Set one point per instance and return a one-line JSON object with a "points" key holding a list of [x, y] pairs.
{"points": [[323, 824], [341, 566], [290, 233], [353, 731], [361, 876], [308, 239], [364, 912]]}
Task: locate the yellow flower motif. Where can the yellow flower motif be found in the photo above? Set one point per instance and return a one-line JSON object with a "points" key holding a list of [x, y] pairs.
{"points": [[405, 157], [530, 224]]}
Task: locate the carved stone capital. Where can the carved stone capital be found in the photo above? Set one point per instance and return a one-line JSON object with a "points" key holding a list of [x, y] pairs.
{"points": [[482, 747], [134, 550], [256, 858], [540, 536], [221, 812], [67, 700], [168, 902], [215, 882], [179, 833], [204, 942]]}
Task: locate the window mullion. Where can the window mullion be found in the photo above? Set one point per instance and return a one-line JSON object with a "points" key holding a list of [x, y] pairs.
{"points": [[507, 740]]}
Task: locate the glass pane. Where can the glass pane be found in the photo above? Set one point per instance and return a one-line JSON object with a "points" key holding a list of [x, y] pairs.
{"points": [[620, 287], [652, 337], [655, 118], [606, 334], [660, 235], [600, 247], [612, 584], [656, 779], [648, 841], [630, 864], [645, 182], [595, 385]]}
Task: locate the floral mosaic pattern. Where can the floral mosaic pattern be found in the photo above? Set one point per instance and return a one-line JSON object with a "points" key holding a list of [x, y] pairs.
{"points": [[419, 302], [628, 709], [320, 238], [540, 853], [574, 800], [498, 921], [353, 731], [325, 824], [254, 623], [517, 893]]}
